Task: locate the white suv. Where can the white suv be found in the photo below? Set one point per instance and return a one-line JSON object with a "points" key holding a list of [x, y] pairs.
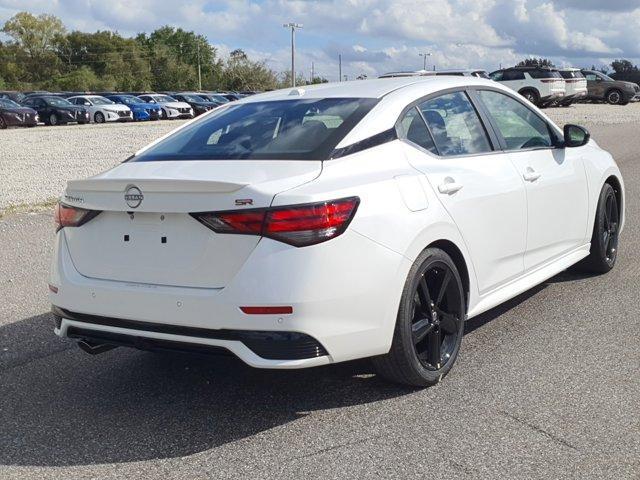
{"points": [[575, 86], [542, 86]]}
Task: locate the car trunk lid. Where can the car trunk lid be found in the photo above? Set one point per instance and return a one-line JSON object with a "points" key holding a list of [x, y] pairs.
{"points": [[145, 233]]}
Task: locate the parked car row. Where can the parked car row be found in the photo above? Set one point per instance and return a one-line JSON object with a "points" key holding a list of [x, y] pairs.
{"points": [[28, 109], [549, 86], [545, 86]]}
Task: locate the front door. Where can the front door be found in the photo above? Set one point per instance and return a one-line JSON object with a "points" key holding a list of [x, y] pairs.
{"points": [[555, 179]]}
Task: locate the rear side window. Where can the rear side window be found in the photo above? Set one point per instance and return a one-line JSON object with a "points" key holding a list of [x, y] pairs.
{"points": [[306, 129], [497, 76], [544, 74], [413, 128], [512, 75], [520, 127], [454, 125]]}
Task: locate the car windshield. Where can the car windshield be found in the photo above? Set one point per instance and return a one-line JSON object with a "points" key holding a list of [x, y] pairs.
{"points": [[58, 102], [100, 101], [192, 98], [220, 98], [306, 129], [163, 98], [605, 77], [129, 99], [6, 103], [481, 74]]}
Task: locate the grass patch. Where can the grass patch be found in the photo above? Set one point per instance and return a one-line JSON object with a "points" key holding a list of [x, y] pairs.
{"points": [[28, 208]]}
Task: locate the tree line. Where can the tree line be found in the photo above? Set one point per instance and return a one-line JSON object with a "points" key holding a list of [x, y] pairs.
{"points": [[43, 54]]}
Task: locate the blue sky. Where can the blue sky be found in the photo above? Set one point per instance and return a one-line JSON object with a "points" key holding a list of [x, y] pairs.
{"points": [[376, 36]]}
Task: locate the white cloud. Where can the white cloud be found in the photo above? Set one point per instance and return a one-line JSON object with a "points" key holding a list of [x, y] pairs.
{"points": [[375, 36]]}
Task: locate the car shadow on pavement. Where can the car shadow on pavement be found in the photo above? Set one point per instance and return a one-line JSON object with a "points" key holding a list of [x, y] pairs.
{"points": [[62, 407]]}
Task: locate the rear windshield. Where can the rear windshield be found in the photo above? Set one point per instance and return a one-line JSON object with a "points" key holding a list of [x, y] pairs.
{"points": [[571, 74], [544, 74], [287, 129]]}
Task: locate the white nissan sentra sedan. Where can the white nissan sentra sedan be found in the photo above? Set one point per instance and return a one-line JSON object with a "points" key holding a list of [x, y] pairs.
{"points": [[315, 225]]}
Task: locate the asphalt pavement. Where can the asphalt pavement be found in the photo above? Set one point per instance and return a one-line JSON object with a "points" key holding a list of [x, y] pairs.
{"points": [[546, 386]]}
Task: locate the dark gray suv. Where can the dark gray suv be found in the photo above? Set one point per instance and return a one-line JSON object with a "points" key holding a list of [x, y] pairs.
{"points": [[604, 88]]}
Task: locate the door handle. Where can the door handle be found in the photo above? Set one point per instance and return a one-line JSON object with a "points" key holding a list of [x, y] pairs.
{"points": [[449, 186], [530, 175]]}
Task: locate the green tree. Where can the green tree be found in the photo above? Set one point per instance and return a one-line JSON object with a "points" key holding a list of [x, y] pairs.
{"points": [[535, 62], [240, 73], [175, 55], [37, 38], [623, 66]]}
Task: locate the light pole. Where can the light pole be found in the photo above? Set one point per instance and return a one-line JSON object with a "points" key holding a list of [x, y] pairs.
{"points": [[424, 57], [293, 27]]}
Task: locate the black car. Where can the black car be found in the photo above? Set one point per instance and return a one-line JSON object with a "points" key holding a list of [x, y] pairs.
{"points": [[213, 97], [12, 95], [198, 103], [56, 110], [14, 115]]}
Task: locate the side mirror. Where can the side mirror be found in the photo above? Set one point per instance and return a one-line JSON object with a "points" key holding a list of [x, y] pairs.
{"points": [[575, 136]]}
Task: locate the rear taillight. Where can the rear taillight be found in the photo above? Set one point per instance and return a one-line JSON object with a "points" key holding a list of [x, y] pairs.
{"points": [[297, 225], [68, 216]]}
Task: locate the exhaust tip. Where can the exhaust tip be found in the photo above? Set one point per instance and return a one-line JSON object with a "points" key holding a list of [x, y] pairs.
{"points": [[94, 348]]}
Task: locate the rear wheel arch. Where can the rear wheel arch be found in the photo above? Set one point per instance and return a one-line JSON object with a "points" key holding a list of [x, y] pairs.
{"points": [[533, 90], [456, 255], [617, 188]]}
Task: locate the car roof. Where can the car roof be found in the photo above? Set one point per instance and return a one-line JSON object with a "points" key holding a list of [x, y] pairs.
{"points": [[408, 73], [375, 88], [569, 69], [461, 70]]}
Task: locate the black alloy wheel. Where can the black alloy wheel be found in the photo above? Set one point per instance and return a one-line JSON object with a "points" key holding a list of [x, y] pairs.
{"points": [[436, 316], [53, 119], [606, 232], [430, 323]]}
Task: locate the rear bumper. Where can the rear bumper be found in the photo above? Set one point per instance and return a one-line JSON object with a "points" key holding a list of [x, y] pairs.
{"points": [[572, 97], [344, 294], [268, 346]]}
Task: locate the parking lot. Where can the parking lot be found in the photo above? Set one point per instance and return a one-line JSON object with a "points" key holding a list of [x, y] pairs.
{"points": [[546, 386]]}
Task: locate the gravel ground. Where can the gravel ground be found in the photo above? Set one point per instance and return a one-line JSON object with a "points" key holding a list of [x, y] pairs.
{"points": [[36, 163], [546, 386]]}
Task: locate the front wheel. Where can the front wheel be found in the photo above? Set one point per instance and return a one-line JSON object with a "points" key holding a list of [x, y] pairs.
{"points": [[99, 117], [163, 114], [429, 325], [606, 229], [53, 119], [3, 124]]}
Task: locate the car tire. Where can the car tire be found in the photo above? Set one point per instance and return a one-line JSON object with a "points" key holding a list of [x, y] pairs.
{"points": [[430, 323], [530, 95], [53, 120], [3, 124], [99, 117], [614, 97], [604, 240], [163, 114]]}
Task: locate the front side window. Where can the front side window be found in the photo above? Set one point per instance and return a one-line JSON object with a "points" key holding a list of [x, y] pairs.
{"points": [[520, 127], [454, 125], [413, 128], [306, 129]]}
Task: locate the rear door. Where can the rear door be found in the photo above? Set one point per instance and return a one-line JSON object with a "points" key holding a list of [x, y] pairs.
{"points": [[555, 178], [478, 186]]}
